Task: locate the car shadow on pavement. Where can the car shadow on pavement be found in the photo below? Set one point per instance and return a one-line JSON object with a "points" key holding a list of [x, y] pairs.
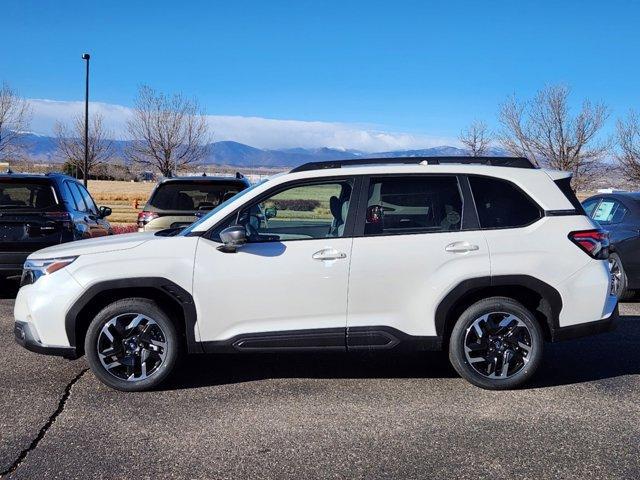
{"points": [[207, 370], [599, 357], [589, 359]]}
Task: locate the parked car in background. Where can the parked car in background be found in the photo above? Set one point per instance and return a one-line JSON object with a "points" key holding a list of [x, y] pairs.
{"points": [[619, 214], [486, 258], [38, 211], [178, 202]]}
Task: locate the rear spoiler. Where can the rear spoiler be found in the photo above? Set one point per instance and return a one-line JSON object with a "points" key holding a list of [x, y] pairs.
{"points": [[558, 174]]}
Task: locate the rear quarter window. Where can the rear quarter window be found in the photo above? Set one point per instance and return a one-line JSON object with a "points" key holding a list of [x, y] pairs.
{"points": [[500, 204]]}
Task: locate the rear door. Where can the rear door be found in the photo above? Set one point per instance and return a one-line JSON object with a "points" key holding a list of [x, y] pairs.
{"points": [[87, 212], [413, 243]]}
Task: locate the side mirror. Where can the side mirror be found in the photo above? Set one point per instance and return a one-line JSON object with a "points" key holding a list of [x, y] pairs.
{"points": [[232, 238], [270, 212], [104, 212]]}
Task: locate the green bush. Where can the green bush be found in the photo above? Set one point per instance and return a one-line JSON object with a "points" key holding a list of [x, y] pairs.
{"points": [[298, 205]]}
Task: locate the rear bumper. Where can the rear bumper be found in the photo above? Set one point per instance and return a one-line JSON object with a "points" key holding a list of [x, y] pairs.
{"points": [[26, 337], [11, 263], [605, 324]]}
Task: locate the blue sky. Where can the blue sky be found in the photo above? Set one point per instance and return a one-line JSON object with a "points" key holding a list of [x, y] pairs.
{"points": [[425, 68]]}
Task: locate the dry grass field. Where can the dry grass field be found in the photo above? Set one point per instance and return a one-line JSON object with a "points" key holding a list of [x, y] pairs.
{"points": [[121, 198]]}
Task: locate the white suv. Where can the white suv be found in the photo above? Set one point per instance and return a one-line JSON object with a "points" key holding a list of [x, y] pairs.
{"points": [[485, 257]]}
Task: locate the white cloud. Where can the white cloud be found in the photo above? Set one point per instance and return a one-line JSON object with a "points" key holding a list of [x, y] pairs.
{"points": [[255, 131]]}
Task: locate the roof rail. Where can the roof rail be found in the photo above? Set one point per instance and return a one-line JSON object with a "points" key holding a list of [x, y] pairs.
{"points": [[515, 162]]}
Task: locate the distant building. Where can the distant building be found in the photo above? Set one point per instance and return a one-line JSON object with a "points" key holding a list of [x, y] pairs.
{"points": [[610, 190], [4, 166]]}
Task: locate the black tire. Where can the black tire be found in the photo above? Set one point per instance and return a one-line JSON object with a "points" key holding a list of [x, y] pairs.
{"points": [[617, 268], [123, 309], [499, 308]]}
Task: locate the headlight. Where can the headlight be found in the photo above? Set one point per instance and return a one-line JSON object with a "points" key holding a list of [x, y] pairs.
{"points": [[34, 269]]}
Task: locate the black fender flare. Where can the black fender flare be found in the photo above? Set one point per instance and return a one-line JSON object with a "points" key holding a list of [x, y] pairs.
{"points": [[546, 291], [164, 286]]}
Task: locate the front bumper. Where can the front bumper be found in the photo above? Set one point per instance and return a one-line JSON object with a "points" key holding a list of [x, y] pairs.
{"points": [[26, 337]]}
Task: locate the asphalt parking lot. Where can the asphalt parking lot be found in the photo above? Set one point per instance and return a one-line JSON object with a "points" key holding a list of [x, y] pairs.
{"points": [[331, 416]]}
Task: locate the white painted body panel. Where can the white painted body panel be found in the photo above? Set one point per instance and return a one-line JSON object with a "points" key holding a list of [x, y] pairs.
{"points": [[398, 281], [544, 251], [267, 287]]}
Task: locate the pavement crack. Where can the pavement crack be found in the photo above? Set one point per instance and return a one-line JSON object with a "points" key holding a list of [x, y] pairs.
{"points": [[45, 428]]}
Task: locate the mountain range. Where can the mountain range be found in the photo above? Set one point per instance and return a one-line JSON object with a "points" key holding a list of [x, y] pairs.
{"points": [[42, 149]]}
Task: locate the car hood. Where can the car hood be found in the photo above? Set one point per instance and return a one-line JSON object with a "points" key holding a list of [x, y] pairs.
{"points": [[109, 243]]}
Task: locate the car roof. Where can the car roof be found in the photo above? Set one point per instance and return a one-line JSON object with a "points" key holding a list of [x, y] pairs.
{"points": [[205, 179], [37, 176], [616, 195]]}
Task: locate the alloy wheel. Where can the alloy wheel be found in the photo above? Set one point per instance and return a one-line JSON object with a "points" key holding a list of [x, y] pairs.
{"points": [[131, 346], [616, 275], [498, 345]]}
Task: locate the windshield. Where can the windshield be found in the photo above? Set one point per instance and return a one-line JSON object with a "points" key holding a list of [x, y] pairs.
{"points": [[192, 196], [26, 196], [194, 225]]}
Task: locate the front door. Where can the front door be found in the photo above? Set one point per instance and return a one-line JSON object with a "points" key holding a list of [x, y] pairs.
{"points": [[287, 287], [411, 247]]}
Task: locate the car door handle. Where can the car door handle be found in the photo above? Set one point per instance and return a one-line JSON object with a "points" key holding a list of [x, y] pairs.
{"points": [[328, 254], [461, 247]]}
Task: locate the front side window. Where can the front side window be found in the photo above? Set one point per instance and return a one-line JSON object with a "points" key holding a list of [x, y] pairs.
{"points": [[416, 204], [302, 212], [609, 212], [500, 204]]}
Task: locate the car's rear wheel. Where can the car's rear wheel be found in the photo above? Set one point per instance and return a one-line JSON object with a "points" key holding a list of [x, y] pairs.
{"points": [[619, 283], [132, 345], [496, 344]]}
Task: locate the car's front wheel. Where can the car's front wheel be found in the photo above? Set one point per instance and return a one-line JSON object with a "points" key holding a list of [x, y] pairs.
{"points": [[496, 344], [132, 345]]}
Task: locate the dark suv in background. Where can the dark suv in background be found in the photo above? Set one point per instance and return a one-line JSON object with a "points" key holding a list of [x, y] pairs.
{"points": [[178, 202], [619, 214], [37, 211]]}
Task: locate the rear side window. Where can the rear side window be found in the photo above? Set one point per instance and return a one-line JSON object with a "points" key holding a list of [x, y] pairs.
{"points": [[403, 205], [77, 197], [191, 196], [17, 195], [88, 201], [500, 204]]}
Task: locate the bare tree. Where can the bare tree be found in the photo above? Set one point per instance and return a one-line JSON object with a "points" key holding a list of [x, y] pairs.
{"points": [[167, 132], [628, 136], [15, 115], [544, 130], [476, 138], [70, 140]]}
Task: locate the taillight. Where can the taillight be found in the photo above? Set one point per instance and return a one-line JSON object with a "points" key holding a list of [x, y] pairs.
{"points": [[595, 243], [145, 217]]}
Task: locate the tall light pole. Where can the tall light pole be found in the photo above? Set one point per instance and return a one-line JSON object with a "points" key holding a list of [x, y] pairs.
{"points": [[86, 56]]}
